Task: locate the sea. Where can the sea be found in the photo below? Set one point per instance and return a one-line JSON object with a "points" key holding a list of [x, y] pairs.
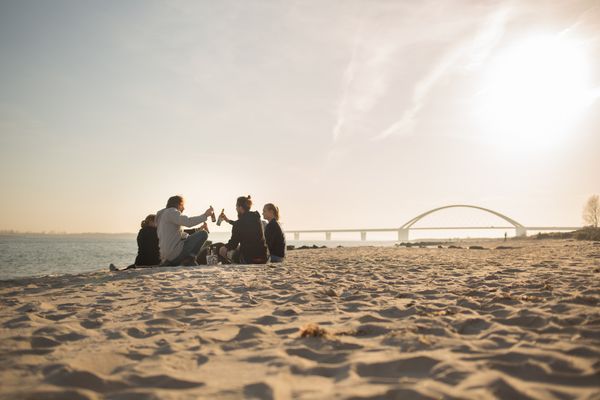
{"points": [[34, 255]]}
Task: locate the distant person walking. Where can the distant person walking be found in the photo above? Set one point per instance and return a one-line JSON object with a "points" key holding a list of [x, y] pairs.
{"points": [[248, 234], [147, 240], [274, 235], [176, 246]]}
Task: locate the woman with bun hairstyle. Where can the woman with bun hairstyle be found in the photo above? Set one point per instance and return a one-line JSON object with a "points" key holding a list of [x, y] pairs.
{"points": [[147, 240], [248, 234], [273, 233]]}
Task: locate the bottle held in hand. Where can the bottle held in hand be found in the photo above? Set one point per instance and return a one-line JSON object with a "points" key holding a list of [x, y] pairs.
{"points": [[212, 214], [221, 217]]}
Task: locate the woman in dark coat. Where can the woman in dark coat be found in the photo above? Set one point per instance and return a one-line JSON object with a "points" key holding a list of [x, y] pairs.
{"points": [[147, 240], [273, 233]]}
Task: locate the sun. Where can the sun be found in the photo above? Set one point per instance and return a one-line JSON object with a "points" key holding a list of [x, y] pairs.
{"points": [[534, 92]]}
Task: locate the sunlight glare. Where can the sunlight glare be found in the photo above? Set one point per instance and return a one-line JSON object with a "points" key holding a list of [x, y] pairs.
{"points": [[535, 92]]}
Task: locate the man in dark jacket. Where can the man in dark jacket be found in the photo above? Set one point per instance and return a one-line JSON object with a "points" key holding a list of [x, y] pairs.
{"points": [[248, 233]]}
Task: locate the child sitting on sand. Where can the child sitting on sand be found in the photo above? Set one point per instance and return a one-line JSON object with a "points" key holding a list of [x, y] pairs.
{"points": [[273, 233], [147, 240]]}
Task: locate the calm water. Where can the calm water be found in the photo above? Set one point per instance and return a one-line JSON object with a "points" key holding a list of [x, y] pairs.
{"points": [[39, 255], [32, 255]]}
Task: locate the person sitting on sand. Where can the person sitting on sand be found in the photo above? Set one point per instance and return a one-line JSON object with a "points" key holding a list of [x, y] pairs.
{"points": [[273, 234], [147, 240], [248, 233], [176, 246]]}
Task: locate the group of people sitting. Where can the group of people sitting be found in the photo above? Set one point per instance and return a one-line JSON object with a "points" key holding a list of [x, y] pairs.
{"points": [[163, 241]]}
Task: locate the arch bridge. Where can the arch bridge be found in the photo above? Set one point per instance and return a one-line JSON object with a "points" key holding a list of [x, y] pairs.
{"points": [[404, 230]]}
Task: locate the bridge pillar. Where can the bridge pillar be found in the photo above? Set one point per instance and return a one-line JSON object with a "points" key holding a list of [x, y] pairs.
{"points": [[403, 235], [327, 235], [521, 231], [363, 236], [296, 236]]}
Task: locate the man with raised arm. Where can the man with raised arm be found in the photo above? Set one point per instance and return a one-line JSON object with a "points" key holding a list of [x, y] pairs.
{"points": [[176, 246]]}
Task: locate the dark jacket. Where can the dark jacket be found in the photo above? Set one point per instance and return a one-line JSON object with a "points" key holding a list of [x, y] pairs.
{"points": [[148, 252], [248, 233], [275, 238]]}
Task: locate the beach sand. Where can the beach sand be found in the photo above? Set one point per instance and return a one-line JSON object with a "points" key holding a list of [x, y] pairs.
{"points": [[377, 322]]}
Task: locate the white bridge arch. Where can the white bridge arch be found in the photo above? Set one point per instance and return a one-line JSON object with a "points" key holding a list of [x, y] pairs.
{"points": [[520, 230], [404, 230]]}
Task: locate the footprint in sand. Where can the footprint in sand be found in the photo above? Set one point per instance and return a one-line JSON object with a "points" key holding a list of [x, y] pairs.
{"points": [[166, 322], [91, 323], [501, 389], [267, 320], [287, 331], [286, 312], [56, 316], [163, 382], [325, 358], [113, 334], [398, 394], [43, 342], [57, 395], [258, 390], [139, 334], [370, 330], [371, 318], [414, 367], [395, 312], [68, 306], [248, 332], [525, 321], [61, 335], [132, 395], [201, 360], [19, 322], [135, 355], [270, 360], [337, 373], [472, 326], [64, 376], [298, 298], [182, 313]]}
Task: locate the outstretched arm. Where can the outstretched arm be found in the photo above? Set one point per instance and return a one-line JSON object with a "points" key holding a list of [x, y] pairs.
{"points": [[183, 220]]}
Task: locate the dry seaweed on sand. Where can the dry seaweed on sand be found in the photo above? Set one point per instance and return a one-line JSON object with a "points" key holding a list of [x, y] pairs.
{"points": [[312, 330]]}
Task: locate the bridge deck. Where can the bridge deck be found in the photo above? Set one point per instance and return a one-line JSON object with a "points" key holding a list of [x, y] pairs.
{"points": [[529, 228]]}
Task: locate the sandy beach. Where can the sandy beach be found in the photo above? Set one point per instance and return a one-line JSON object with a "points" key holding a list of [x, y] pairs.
{"points": [[369, 322]]}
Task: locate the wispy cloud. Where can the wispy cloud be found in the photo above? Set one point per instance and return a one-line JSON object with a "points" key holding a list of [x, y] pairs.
{"points": [[349, 76], [475, 50], [365, 76]]}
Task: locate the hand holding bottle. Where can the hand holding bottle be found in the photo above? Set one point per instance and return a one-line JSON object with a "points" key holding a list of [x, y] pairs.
{"points": [[222, 217]]}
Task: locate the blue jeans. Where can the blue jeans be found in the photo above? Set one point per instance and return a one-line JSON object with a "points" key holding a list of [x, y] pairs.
{"points": [[191, 247]]}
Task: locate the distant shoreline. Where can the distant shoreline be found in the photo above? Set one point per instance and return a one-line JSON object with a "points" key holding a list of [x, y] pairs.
{"points": [[16, 233]]}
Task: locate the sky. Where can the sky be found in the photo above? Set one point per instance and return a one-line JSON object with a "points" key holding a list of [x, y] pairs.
{"points": [[345, 114]]}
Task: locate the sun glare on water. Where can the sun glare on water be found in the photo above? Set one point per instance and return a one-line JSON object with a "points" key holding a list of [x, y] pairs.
{"points": [[534, 92]]}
